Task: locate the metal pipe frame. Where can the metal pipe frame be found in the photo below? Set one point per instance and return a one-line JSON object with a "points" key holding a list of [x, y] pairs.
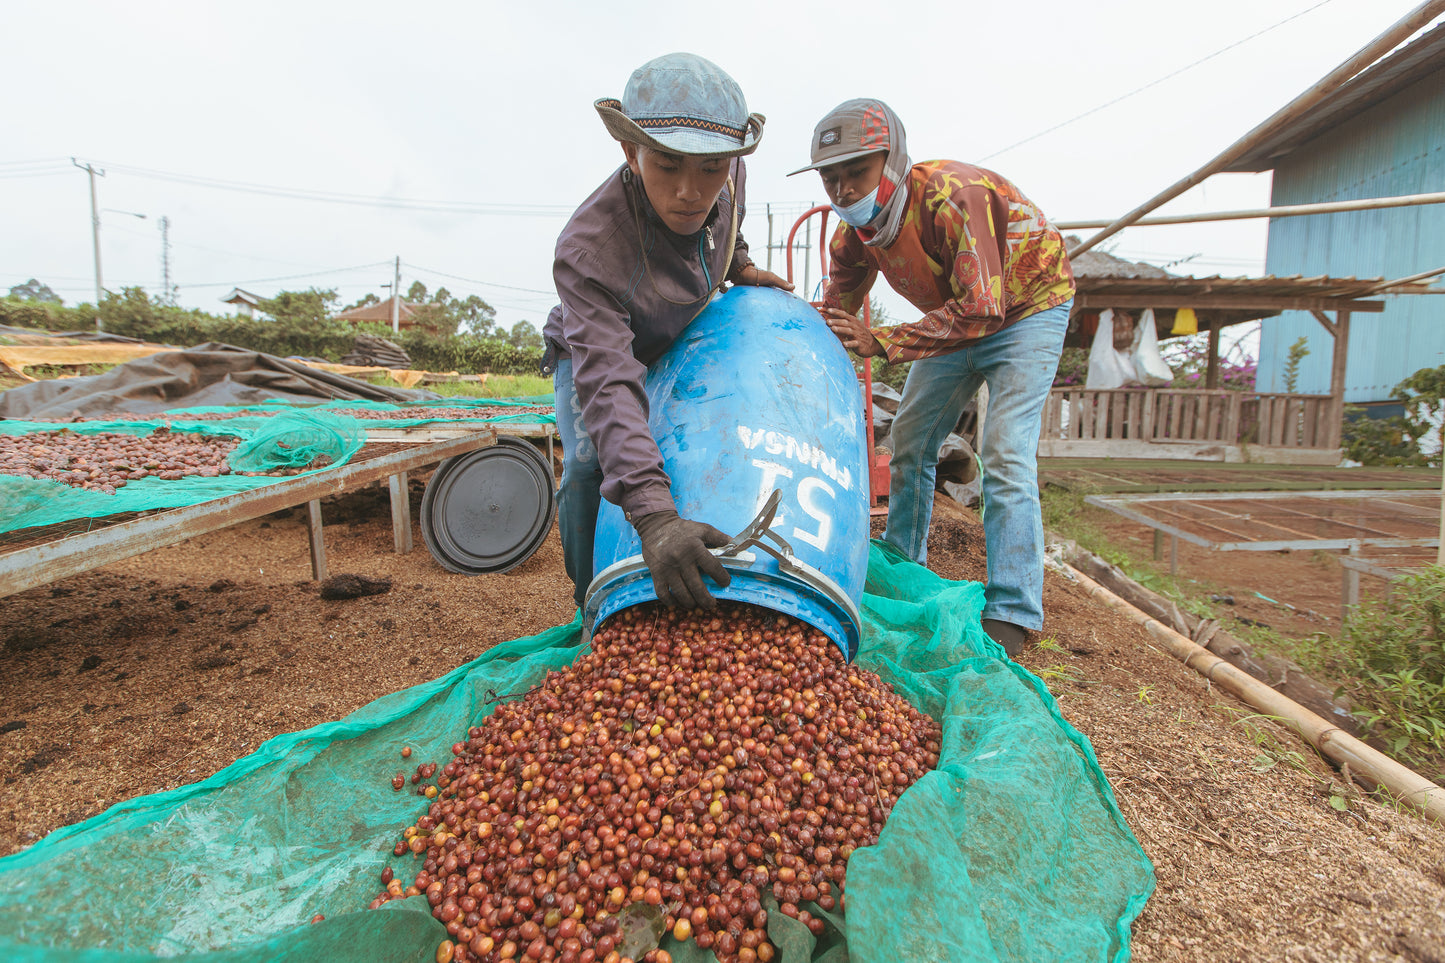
{"points": [[1123, 505]]}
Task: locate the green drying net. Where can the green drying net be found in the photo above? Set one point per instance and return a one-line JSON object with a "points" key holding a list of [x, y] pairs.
{"points": [[292, 439], [1013, 849], [297, 439]]}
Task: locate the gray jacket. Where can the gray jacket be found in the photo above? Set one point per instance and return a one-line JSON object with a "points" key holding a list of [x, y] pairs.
{"points": [[618, 316]]}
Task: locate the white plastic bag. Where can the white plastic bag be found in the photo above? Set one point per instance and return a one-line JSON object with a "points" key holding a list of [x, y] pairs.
{"points": [[1108, 367], [1141, 364], [1150, 368]]}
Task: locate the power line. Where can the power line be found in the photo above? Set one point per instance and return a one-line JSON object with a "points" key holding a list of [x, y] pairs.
{"points": [[191, 246], [489, 284], [365, 200], [289, 277], [34, 168], [1154, 83], [16, 175]]}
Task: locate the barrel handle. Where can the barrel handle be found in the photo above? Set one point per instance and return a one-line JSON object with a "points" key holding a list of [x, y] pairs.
{"points": [[755, 531]]}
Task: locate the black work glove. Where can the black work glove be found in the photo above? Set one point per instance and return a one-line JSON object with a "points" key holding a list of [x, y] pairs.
{"points": [[676, 552]]}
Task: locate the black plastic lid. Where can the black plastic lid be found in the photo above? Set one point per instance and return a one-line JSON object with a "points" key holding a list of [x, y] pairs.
{"points": [[488, 510]]}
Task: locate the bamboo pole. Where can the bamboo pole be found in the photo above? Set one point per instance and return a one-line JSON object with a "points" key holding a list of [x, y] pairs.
{"points": [[1336, 78], [1412, 279], [1285, 210], [1329, 740]]}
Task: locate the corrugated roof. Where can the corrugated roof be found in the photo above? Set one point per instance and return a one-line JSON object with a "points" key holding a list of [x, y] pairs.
{"points": [[1410, 64], [1221, 301], [1097, 263], [1268, 287]]}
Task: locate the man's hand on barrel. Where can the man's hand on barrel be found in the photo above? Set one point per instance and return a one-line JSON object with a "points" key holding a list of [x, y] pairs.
{"points": [[855, 335], [753, 276], [676, 552]]}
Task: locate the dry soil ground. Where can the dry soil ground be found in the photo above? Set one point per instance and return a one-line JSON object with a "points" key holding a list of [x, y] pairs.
{"points": [[160, 670]]}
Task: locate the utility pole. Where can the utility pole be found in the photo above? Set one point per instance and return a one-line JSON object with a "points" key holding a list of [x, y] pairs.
{"points": [[166, 292], [396, 297], [95, 237], [770, 236]]}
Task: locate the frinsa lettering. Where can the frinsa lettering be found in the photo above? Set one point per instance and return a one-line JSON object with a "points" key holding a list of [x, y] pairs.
{"points": [[789, 447]]}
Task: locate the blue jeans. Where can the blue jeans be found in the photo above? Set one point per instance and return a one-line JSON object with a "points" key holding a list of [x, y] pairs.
{"points": [[1019, 364], [581, 493]]}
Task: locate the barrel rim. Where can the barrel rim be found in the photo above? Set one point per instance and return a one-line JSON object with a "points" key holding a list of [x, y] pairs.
{"points": [[823, 604]]}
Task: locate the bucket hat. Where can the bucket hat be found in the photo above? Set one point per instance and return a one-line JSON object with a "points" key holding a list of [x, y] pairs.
{"points": [[683, 104]]}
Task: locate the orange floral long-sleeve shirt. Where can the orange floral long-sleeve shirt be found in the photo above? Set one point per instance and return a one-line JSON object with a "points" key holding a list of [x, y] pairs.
{"points": [[973, 253]]}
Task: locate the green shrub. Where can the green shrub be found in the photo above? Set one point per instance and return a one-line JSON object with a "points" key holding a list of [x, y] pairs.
{"points": [[299, 327], [1394, 649], [1379, 441], [25, 313], [1396, 440], [465, 353]]}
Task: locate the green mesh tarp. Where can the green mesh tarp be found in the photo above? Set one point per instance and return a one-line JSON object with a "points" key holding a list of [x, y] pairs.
{"points": [[1013, 849], [288, 440]]}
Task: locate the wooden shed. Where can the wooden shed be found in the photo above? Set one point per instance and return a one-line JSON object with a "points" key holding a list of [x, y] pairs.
{"points": [[1206, 423]]}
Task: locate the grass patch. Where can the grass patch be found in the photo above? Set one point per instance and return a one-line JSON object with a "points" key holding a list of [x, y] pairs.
{"points": [[1394, 650], [48, 372], [497, 386]]}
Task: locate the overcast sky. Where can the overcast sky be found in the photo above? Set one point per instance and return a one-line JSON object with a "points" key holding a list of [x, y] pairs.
{"points": [[305, 143]]}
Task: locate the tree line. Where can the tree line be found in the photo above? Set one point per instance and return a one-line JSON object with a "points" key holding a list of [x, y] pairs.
{"points": [[452, 334]]}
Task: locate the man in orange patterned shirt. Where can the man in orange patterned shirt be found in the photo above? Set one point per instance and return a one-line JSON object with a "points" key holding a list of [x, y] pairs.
{"points": [[992, 278]]}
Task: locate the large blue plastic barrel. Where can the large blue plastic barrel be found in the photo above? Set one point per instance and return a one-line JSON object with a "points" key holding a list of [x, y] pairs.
{"points": [[757, 395]]}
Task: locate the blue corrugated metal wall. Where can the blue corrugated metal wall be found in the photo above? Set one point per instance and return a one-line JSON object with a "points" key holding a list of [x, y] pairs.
{"points": [[1396, 147]]}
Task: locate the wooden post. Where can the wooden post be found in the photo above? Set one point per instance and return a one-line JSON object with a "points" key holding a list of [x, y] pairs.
{"points": [[1231, 419], [1211, 376], [1351, 587], [1440, 553], [318, 541], [1337, 378], [400, 513]]}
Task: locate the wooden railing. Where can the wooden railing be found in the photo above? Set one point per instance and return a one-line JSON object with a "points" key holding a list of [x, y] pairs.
{"points": [[1191, 415], [1292, 421]]}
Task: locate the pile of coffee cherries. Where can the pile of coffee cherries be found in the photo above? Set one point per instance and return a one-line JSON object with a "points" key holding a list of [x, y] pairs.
{"points": [[689, 769], [104, 461]]}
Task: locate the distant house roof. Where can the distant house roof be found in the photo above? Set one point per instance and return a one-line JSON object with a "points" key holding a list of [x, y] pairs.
{"points": [[1402, 68], [406, 313], [1097, 263], [238, 296]]}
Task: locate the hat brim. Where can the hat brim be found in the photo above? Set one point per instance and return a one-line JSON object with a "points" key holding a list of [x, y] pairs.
{"points": [[679, 140], [840, 159]]}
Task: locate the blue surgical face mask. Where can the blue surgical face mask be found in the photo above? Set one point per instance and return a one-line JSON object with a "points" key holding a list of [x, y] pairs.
{"points": [[861, 211]]}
